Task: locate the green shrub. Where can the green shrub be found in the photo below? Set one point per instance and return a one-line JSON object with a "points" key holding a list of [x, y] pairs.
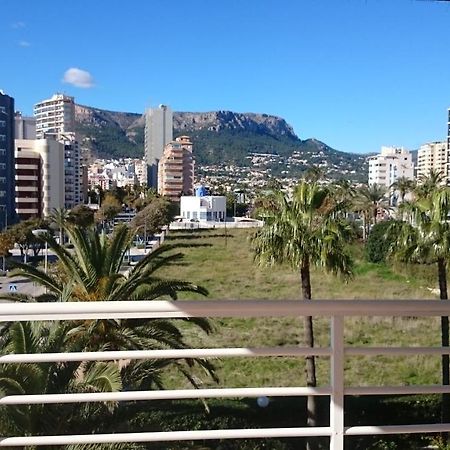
{"points": [[377, 245]]}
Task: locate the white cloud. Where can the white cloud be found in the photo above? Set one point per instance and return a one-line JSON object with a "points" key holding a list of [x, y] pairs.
{"points": [[24, 44], [79, 78], [18, 25]]}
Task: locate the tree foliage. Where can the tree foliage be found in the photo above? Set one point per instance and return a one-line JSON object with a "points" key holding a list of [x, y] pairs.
{"points": [[81, 215], [379, 242], [158, 212]]}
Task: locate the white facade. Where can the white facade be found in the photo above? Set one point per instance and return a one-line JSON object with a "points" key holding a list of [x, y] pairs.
{"points": [[55, 115], [158, 133], [25, 127], [208, 208], [433, 156], [72, 170], [39, 176], [390, 165]]}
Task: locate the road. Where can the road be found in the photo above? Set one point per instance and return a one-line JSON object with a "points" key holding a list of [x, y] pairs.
{"points": [[22, 286]]}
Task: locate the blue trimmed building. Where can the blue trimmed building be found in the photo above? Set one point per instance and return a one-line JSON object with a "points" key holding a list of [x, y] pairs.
{"points": [[7, 172]]}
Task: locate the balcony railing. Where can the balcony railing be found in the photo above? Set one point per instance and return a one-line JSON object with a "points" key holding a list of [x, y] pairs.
{"points": [[337, 351]]}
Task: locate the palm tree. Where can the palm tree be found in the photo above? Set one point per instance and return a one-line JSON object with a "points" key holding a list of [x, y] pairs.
{"points": [[368, 202], [92, 272], [60, 217], [425, 238], [404, 186], [427, 184], [48, 378], [304, 231]]}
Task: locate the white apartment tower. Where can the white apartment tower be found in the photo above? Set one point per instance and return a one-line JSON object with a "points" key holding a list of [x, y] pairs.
{"points": [[390, 165], [55, 115], [55, 119], [158, 133], [433, 156]]}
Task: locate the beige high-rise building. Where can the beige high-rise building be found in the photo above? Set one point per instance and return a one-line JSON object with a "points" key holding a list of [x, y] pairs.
{"points": [[55, 115], [39, 185], [176, 169], [433, 156]]}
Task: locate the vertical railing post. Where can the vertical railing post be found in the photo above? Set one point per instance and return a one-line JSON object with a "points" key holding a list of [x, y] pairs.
{"points": [[337, 384]]}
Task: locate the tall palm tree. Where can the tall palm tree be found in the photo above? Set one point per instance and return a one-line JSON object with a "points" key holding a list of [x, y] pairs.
{"points": [[303, 231], [425, 238], [60, 217], [92, 272]]}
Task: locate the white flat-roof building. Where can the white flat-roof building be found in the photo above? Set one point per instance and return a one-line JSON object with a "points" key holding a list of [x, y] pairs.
{"points": [[390, 165], [207, 208]]}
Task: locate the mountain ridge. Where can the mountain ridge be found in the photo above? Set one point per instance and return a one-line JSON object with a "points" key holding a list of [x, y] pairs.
{"points": [[219, 137]]}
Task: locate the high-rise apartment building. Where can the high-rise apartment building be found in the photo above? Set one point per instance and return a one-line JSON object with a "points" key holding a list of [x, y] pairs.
{"points": [[176, 169], [158, 133], [39, 176], [433, 156], [55, 115], [7, 173], [73, 180], [390, 165], [55, 119]]}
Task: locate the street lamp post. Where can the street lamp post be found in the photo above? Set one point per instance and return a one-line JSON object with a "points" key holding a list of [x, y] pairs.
{"points": [[40, 233]]}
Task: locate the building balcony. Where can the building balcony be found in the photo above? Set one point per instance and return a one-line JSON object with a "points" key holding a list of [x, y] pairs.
{"points": [[337, 352], [27, 177]]}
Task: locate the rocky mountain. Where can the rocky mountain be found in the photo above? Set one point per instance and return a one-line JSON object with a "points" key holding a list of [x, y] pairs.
{"points": [[218, 136]]}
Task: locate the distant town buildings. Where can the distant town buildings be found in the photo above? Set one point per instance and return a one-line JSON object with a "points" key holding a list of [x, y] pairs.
{"points": [[110, 173], [390, 165], [158, 133], [55, 115], [7, 172], [176, 169], [433, 156]]}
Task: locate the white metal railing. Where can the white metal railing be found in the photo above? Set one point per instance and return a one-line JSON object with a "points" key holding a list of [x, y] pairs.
{"points": [[337, 352]]}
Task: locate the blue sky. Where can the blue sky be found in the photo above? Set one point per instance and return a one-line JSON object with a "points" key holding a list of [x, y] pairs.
{"points": [[356, 74]]}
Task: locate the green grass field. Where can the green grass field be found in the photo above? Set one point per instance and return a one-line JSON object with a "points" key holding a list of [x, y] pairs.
{"points": [[224, 265]]}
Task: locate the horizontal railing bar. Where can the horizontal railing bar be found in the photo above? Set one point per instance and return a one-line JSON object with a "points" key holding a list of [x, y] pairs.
{"points": [[395, 351], [397, 429], [162, 395], [217, 353], [223, 308], [165, 436], [165, 354], [397, 390]]}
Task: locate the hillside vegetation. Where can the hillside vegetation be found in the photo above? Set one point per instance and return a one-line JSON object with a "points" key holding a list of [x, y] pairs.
{"points": [[218, 136]]}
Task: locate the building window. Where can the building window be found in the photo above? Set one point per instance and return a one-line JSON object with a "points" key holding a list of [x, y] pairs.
{"points": [[2, 124], [2, 166], [2, 138], [2, 109], [2, 152]]}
